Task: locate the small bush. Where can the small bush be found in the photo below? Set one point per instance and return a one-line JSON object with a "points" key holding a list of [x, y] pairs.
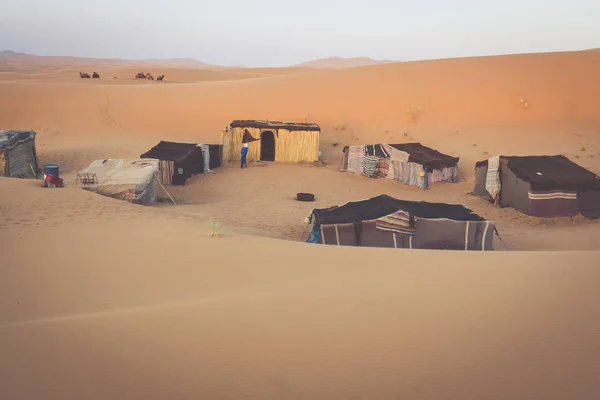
{"points": [[214, 227]]}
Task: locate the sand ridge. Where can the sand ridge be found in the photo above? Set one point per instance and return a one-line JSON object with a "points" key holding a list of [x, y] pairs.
{"points": [[151, 318]]}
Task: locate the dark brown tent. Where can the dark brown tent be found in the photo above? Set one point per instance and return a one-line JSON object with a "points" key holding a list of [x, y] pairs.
{"points": [[541, 186], [384, 221], [178, 161], [188, 158]]}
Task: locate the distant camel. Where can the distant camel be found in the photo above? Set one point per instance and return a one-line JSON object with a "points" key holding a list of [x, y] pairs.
{"points": [[84, 75], [95, 75], [149, 76], [160, 77], [140, 75]]}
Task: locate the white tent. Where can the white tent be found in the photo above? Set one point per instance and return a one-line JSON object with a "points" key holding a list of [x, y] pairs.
{"points": [[132, 180]]}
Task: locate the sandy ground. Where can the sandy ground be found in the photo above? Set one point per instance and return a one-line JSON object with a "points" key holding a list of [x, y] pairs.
{"points": [[104, 299]]}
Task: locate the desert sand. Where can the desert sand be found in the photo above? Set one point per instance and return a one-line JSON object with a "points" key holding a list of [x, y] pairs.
{"points": [[104, 299]]}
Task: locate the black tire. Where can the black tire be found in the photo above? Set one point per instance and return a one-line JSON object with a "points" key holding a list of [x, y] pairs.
{"points": [[305, 197]]}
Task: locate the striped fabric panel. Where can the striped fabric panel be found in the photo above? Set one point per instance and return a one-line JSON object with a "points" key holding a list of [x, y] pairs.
{"points": [[370, 165], [552, 195], [395, 154], [492, 179], [398, 222], [167, 168], [383, 167], [391, 171], [356, 159], [447, 174]]}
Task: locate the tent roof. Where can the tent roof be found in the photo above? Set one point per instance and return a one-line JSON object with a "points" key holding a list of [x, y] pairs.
{"points": [[261, 124], [377, 207], [423, 155], [545, 173], [170, 151], [10, 138], [123, 171]]}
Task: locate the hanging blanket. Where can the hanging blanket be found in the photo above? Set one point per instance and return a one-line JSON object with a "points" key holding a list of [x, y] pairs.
{"points": [[492, 180], [398, 222], [408, 173], [205, 156], [446, 174], [383, 167], [371, 165], [356, 159]]}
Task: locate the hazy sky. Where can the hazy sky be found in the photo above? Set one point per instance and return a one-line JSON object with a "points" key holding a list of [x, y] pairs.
{"points": [[280, 33]]}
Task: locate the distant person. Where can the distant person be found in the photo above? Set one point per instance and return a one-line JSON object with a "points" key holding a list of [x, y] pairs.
{"points": [[244, 154]]}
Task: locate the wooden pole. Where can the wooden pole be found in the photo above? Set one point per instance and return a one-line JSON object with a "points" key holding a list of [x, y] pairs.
{"points": [[161, 185]]}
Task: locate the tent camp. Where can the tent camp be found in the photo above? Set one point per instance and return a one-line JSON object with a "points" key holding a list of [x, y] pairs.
{"points": [[132, 180], [180, 161], [18, 157], [271, 141], [410, 163], [541, 186], [384, 221]]}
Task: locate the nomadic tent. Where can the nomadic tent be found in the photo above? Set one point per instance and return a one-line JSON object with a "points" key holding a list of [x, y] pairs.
{"points": [[410, 163], [384, 221], [180, 161], [18, 157], [132, 180], [541, 186], [271, 141]]}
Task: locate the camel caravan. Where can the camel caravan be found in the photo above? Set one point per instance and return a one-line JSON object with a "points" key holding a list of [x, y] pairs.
{"points": [[141, 75], [85, 75]]}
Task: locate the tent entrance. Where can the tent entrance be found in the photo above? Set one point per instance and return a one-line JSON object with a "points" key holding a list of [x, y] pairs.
{"points": [[267, 146]]}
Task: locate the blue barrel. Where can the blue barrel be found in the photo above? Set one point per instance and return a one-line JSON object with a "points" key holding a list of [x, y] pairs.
{"points": [[50, 169]]}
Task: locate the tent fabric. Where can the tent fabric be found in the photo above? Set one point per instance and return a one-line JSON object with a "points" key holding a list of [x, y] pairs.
{"points": [[377, 207], [215, 152], [212, 154], [546, 173], [492, 180], [171, 151], [132, 180], [261, 124], [426, 156], [415, 153], [18, 158], [588, 203], [206, 156], [167, 171]]}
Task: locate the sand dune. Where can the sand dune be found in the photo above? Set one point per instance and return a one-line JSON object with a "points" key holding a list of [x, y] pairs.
{"points": [[104, 299], [340, 62], [443, 94], [122, 301], [16, 57]]}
